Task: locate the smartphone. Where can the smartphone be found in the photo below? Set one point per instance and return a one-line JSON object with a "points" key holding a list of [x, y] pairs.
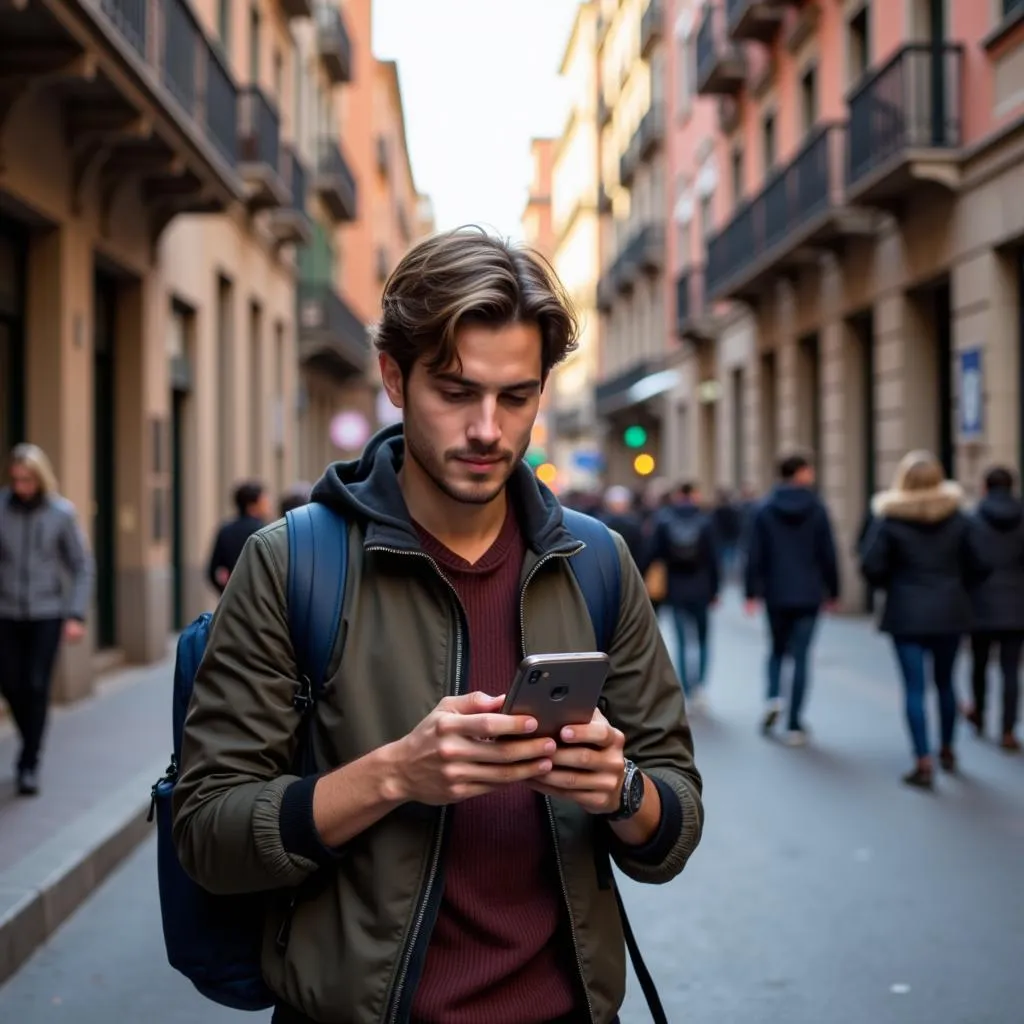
{"points": [[557, 689]]}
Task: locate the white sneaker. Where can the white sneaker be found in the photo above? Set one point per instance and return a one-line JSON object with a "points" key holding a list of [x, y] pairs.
{"points": [[699, 700], [796, 738]]}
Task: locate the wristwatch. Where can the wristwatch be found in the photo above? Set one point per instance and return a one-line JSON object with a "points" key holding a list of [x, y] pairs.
{"points": [[632, 793]]}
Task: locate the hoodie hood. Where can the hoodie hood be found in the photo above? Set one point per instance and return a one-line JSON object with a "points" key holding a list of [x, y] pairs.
{"points": [[791, 503], [934, 505], [367, 490], [1002, 511]]}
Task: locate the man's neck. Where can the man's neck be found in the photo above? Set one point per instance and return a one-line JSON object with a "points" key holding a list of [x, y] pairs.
{"points": [[468, 530]]}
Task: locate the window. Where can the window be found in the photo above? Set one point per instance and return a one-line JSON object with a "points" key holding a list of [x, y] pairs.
{"points": [[737, 175], [278, 78], [254, 45], [224, 24], [768, 143], [707, 217], [809, 99], [859, 43], [684, 97]]}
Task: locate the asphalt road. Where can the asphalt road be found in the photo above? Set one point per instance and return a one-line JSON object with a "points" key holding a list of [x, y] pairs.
{"points": [[824, 892]]}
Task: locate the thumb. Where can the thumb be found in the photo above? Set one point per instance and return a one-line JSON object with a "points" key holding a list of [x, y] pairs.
{"points": [[472, 703]]}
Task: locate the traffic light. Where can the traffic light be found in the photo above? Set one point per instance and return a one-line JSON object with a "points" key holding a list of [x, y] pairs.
{"points": [[634, 436], [644, 464], [536, 457]]}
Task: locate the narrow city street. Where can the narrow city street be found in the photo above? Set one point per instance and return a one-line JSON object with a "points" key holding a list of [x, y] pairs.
{"points": [[824, 892]]}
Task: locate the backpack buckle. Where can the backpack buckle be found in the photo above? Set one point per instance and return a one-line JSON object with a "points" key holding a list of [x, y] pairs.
{"points": [[303, 699]]}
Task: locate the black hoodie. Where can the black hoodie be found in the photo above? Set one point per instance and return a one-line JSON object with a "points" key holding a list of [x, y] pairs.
{"points": [[791, 559], [998, 526]]}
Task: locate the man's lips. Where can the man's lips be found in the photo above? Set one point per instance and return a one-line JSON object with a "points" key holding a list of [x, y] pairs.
{"points": [[481, 460]]}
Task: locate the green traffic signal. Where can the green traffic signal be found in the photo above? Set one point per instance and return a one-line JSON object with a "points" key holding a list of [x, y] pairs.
{"points": [[635, 436]]}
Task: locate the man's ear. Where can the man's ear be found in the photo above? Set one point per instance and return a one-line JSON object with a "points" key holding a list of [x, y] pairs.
{"points": [[391, 378]]}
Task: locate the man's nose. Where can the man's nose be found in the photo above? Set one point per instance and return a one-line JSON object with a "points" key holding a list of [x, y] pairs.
{"points": [[484, 427]]}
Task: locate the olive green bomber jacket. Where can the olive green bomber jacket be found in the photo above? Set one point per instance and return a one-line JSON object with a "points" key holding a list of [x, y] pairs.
{"points": [[243, 820]]}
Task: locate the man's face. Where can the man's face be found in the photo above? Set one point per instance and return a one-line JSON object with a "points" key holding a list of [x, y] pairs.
{"points": [[23, 482], [468, 426], [804, 477]]}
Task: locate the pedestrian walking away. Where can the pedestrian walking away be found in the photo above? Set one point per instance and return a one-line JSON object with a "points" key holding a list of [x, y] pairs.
{"points": [[921, 551], [421, 873], [618, 514], [253, 506], [792, 568], [683, 542], [46, 575], [997, 603]]}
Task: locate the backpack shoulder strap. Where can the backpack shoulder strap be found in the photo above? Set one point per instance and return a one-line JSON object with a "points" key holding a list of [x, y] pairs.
{"points": [[598, 572], [317, 567]]}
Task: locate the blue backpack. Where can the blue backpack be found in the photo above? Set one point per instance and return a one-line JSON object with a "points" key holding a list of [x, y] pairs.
{"points": [[216, 941]]}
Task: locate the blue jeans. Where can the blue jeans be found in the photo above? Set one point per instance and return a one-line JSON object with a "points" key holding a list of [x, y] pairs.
{"points": [[791, 635], [698, 615], [910, 653]]}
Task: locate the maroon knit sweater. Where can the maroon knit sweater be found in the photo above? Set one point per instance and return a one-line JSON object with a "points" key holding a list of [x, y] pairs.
{"points": [[497, 952]]}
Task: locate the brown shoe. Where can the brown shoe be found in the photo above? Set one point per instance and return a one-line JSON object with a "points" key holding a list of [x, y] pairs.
{"points": [[1010, 743], [947, 759], [972, 716]]}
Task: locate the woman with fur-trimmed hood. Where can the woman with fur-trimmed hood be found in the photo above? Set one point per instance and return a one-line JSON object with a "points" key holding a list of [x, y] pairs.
{"points": [[920, 551]]}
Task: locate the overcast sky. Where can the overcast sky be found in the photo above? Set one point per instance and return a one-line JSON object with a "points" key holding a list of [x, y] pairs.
{"points": [[479, 79]]}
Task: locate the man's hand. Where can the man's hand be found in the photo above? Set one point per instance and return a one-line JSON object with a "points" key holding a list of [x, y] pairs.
{"points": [[73, 631], [589, 767], [450, 756]]}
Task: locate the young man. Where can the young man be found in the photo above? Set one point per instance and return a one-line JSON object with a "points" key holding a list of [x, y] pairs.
{"points": [[998, 601], [454, 879], [792, 568], [684, 542], [253, 505]]}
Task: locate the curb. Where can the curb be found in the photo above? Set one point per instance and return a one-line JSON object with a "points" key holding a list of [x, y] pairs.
{"points": [[42, 890]]}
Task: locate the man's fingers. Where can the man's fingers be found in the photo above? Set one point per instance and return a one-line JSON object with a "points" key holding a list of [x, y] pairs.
{"points": [[463, 748], [471, 703], [475, 773], [486, 725]]}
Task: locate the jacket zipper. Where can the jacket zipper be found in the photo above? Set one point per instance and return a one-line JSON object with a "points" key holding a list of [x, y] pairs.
{"points": [[435, 856], [547, 800]]}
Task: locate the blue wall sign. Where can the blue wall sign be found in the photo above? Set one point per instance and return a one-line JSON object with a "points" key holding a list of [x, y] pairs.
{"points": [[972, 395]]}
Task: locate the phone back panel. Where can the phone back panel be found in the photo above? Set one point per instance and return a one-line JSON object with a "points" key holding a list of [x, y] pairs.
{"points": [[558, 692]]}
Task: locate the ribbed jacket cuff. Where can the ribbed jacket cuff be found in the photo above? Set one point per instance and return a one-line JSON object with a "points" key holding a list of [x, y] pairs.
{"points": [[670, 826], [299, 835]]}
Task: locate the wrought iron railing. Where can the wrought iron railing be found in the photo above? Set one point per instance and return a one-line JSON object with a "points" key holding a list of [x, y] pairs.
{"points": [[806, 187], [221, 106], [131, 19], [911, 102], [260, 130]]}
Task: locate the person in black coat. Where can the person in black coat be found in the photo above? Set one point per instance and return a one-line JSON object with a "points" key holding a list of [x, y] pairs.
{"points": [[998, 602], [683, 541], [618, 514], [920, 551], [253, 504], [791, 567]]}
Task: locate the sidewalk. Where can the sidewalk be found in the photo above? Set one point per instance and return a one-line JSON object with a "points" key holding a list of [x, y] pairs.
{"points": [[101, 757]]}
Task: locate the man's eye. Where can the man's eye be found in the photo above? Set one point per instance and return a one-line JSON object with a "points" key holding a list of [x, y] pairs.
{"points": [[456, 396], [515, 400]]}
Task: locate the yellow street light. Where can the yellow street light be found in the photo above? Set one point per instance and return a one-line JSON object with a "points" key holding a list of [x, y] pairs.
{"points": [[644, 464]]}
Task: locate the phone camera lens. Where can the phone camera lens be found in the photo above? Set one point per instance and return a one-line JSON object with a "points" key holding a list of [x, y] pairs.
{"points": [[533, 677]]}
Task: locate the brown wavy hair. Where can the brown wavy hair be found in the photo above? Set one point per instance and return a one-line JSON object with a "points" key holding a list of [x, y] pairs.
{"points": [[467, 276]]}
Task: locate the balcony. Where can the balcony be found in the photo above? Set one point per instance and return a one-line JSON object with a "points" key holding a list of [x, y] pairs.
{"points": [[652, 25], [694, 318], [754, 20], [259, 151], [297, 8], [649, 248], [802, 210], [906, 126], [651, 132], [290, 223], [334, 182], [721, 69], [144, 100], [332, 43], [629, 162], [332, 339], [639, 382]]}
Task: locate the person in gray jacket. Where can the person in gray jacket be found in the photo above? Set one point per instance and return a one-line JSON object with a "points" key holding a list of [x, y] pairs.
{"points": [[40, 546]]}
